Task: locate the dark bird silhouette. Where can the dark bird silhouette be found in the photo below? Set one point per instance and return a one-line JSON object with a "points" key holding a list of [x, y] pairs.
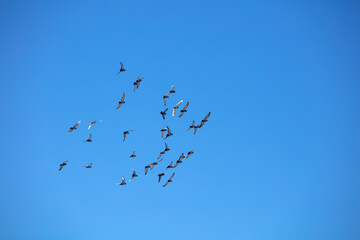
{"points": [[163, 113], [177, 163], [123, 181], [88, 166], [170, 180], [122, 69], [89, 139], [134, 175], [133, 155], [74, 127], [160, 175], [161, 153], [182, 156], [189, 153], [126, 133], [62, 165], [172, 90], [121, 102], [165, 150], [154, 164], [169, 134], [176, 107], [93, 122], [184, 109], [204, 120], [137, 83], [170, 166], [162, 132], [165, 97]]}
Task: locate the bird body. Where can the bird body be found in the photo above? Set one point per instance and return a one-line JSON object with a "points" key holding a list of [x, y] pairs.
{"points": [[163, 113], [126, 133], [176, 107], [121, 102], [170, 166], [89, 139], [134, 175], [123, 181], [184, 109], [122, 69], [133, 155], [169, 134], [62, 165], [89, 166], [160, 175], [189, 153], [170, 179]]}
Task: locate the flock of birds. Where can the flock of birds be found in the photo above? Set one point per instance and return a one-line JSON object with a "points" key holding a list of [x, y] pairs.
{"points": [[163, 130]]}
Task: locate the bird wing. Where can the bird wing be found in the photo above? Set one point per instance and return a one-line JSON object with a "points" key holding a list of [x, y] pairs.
{"points": [[124, 136], [166, 110], [61, 166], [174, 110], [123, 179], [134, 153], [119, 106], [207, 116], [123, 97], [134, 87], [172, 88], [172, 176], [164, 101], [159, 177], [166, 146], [90, 125], [152, 166], [168, 129], [90, 165], [65, 162], [146, 170], [195, 129], [90, 136], [159, 161], [178, 103], [177, 163], [181, 113], [165, 184], [134, 171], [160, 155], [122, 65]]}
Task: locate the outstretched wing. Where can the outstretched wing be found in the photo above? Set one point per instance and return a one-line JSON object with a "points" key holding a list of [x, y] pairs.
{"points": [[181, 113], [207, 116], [123, 97], [146, 170], [61, 166], [187, 104], [166, 184], [177, 163], [178, 103], [168, 129], [166, 110], [90, 136], [119, 106], [124, 137], [192, 125], [164, 101], [172, 176]]}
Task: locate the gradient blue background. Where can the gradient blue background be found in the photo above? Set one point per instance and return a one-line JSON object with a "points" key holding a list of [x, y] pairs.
{"points": [[278, 159]]}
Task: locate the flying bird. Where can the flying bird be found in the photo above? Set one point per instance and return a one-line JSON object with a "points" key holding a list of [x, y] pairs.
{"points": [[189, 153], [192, 125], [147, 168], [166, 148], [163, 113], [176, 107], [123, 181], [205, 119], [162, 132], [126, 133], [170, 180], [74, 127], [182, 156], [170, 166], [169, 134], [154, 164], [134, 175], [165, 97], [89, 139], [122, 101], [160, 175], [88, 166], [122, 69], [137, 83], [171, 91], [133, 155], [161, 153], [177, 163], [184, 109], [93, 122], [62, 165]]}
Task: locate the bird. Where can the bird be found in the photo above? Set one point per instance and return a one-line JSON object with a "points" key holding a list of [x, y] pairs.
{"points": [[189, 153], [137, 83], [147, 168], [170, 180], [93, 122], [122, 69], [125, 133], [166, 148], [171, 91], [205, 119], [163, 113], [161, 153], [134, 175], [169, 134], [176, 107], [160, 175], [177, 163], [182, 156], [88, 166], [123, 181], [62, 165], [192, 125], [74, 127], [170, 166], [162, 132], [195, 128], [184, 109], [154, 164], [89, 139], [133, 155], [122, 101]]}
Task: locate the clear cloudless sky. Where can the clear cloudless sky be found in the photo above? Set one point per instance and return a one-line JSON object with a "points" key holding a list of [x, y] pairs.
{"points": [[278, 158]]}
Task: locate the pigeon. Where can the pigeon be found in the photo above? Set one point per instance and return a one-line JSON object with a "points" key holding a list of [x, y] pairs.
{"points": [[133, 155], [89, 139], [162, 132], [134, 175], [88, 166], [170, 180], [62, 165], [176, 107], [93, 122], [189, 153], [170, 166], [122, 101], [160, 175], [205, 119], [172, 90], [74, 127], [123, 181], [122, 69], [177, 163], [155, 163], [125, 133], [163, 113], [169, 134], [137, 83], [192, 125], [184, 109], [166, 148]]}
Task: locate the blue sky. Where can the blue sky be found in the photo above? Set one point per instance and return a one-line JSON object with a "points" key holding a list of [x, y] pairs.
{"points": [[278, 158]]}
